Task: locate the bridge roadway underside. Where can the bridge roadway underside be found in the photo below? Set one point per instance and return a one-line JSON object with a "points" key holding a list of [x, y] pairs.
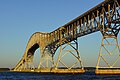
{"points": [[105, 17]]}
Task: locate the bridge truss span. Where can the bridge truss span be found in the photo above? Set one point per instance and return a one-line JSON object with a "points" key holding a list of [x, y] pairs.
{"points": [[105, 17]]}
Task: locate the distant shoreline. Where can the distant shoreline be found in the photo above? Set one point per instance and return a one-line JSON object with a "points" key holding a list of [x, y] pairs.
{"points": [[4, 69]]}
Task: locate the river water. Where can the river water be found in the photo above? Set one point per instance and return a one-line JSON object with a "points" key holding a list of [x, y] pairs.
{"points": [[48, 76]]}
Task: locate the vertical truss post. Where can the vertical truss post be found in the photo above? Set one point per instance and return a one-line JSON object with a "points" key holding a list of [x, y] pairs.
{"points": [[27, 64], [30, 64], [109, 48], [109, 56], [46, 62]]}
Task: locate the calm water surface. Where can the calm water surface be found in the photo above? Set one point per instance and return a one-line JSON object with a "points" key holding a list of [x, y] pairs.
{"points": [[39, 76]]}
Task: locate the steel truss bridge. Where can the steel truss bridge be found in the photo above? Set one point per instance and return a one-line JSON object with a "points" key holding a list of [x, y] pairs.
{"points": [[105, 17]]}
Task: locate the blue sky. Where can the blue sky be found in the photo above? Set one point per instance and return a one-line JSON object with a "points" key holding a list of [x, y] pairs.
{"points": [[19, 19]]}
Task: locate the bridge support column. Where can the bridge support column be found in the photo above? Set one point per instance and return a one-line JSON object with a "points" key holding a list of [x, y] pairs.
{"points": [[46, 62], [109, 56], [26, 64], [70, 51]]}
